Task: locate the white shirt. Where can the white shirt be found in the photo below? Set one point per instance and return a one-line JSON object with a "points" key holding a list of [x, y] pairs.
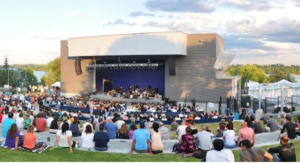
{"points": [[180, 115], [49, 120], [5, 116], [229, 137], [20, 122], [119, 123], [84, 126], [204, 140], [215, 117], [181, 131], [63, 138], [87, 140], [225, 155], [197, 118]]}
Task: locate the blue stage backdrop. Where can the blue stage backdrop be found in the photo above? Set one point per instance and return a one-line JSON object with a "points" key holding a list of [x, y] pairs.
{"points": [[126, 78]]}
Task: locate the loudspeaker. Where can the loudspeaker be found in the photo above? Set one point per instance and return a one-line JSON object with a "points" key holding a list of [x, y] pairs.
{"points": [[78, 66], [172, 71]]}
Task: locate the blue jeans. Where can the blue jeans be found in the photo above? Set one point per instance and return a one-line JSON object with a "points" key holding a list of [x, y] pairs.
{"points": [[101, 149], [275, 158], [229, 146]]}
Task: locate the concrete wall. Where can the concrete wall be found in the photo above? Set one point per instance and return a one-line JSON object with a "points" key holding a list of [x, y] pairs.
{"points": [[72, 83], [195, 75]]}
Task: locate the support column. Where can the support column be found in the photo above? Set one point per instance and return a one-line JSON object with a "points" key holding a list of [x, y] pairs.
{"points": [[94, 79]]}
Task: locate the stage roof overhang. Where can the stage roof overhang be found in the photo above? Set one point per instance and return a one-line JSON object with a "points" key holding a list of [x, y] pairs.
{"points": [[159, 43]]}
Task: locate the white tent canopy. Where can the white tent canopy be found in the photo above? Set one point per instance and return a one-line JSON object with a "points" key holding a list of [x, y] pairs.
{"points": [[56, 84], [273, 90]]}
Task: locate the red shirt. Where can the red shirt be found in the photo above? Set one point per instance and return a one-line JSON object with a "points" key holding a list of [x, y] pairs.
{"points": [[29, 140], [1, 116], [40, 124]]}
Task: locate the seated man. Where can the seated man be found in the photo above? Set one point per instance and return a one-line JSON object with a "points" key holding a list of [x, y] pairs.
{"points": [[290, 127], [219, 154], [40, 123], [257, 127], [101, 139], [286, 151], [246, 133], [141, 140], [164, 132], [272, 123], [253, 154], [112, 129], [204, 139]]}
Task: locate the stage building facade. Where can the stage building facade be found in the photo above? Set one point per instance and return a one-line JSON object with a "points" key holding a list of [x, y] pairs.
{"points": [[178, 65]]}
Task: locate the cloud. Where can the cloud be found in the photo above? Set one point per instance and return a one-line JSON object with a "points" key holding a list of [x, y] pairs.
{"points": [[139, 13], [197, 6], [258, 5], [74, 14], [43, 35]]}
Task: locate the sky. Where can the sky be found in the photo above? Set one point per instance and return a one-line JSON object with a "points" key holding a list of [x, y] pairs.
{"points": [[257, 31]]}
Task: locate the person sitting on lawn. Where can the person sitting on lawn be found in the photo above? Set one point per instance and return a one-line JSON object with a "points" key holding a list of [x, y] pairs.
{"points": [[54, 126], [101, 139], [257, 127], [253, 154], [13, 138], [186, 144], [141, 140], [219, 154], [228, 137], [111, 129], [290, 127], [64, 138], [87, 138], [40, 123], [7, 124], [246, 133], [30, 140], [164, 132], [156, 137], [75, 127], [204, 139], [123, 132], [286, 151]]}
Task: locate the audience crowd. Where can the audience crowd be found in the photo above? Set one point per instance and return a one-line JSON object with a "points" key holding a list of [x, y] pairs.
{"points": [[98, 130]]}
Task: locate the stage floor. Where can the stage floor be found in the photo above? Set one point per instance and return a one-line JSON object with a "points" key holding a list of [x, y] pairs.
{"points": [[104, 96]]}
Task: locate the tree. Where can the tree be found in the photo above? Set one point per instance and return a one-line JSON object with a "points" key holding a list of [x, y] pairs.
{"points": [[290, 78], [54, 66], [43, 80], [251, 72], [49, 78], [279, 75]]}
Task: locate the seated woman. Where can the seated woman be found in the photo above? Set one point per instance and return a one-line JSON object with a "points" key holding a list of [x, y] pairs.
{"points": [[186, 144], [123, 132], [54, 126], [194, 129], [64, 138], [28, 121], [75, 127], [228, 137], [87, 138], [156, 144], [13, 138], [131, 131], [30, 140], [177, 118], [222, 125]]}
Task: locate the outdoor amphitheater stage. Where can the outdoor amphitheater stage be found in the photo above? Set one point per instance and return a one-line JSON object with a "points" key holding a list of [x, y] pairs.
{"points": [[104, 96]]}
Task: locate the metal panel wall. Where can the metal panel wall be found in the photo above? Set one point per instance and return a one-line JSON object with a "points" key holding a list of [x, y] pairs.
{"points": [[70, 82], [164, 43], [195, 75]]}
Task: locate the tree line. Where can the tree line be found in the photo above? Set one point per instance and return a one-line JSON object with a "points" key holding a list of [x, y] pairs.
{"points": [[258, 73]]}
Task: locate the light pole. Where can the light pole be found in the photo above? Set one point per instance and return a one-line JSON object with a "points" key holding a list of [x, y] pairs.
{"points": [[8, 78]]}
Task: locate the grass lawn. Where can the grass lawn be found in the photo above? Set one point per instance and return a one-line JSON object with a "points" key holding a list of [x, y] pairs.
{"points": [[63, 155]]}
